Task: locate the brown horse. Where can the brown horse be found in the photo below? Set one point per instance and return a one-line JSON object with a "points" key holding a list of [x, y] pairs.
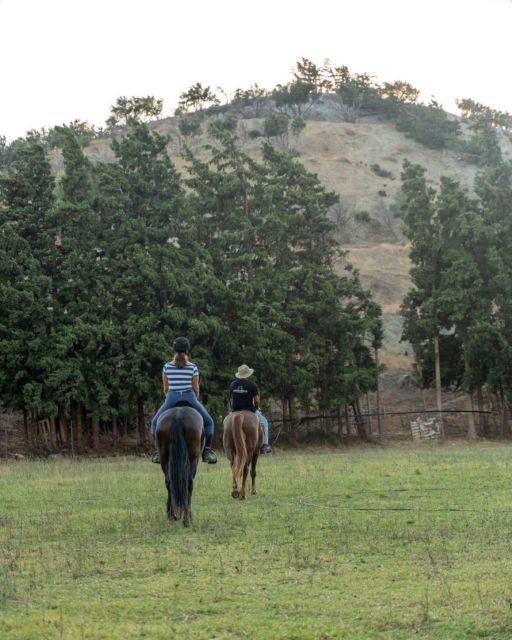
{"points": [[242, 439], [180, 439]]}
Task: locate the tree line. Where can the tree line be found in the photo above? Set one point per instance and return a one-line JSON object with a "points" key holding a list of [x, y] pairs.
{"points": [[102, 267], [458, 314], [346, 95]]}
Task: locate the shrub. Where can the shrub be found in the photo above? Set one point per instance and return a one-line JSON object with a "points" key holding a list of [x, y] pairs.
{"points": [[189, 127], [227, 124], [275, 124], [361, 216], [382, 173], [255, 133], [428, 125]]}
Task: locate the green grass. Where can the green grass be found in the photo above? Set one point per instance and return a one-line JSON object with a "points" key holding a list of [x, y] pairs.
{"points": [[359, 543]]}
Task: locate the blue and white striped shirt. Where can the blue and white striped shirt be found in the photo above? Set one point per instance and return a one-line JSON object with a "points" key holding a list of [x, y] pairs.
{"points": [[180, 379]]}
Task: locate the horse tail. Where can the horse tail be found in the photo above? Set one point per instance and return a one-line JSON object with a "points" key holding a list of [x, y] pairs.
{"points": [[240, 445], [178, 469]]}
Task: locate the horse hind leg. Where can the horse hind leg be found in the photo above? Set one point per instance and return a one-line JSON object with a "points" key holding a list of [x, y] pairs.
{"points": [[244, 481], [254, 461], [170, 509], [187, 512], [235, 493]]}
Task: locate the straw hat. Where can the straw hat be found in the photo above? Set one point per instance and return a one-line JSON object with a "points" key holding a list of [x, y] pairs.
{"points": [[244, 371]]}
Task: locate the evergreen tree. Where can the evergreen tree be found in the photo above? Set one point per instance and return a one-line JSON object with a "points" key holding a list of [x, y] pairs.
{"points": [[27, 238], [273, 255]]}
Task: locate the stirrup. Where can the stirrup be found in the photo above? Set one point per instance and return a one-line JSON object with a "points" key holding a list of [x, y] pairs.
{"points": [[209, 456], [156, 457]]}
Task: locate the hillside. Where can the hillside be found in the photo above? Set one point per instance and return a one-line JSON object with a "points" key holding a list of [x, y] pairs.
{"points": [[342, 155]]}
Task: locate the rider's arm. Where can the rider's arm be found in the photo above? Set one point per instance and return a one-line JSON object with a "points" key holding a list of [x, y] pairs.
{"points": [[165, 383], [256, 401], [195, 385]]}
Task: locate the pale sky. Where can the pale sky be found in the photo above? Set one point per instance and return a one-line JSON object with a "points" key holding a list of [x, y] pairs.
{"points": [[70, 59]]}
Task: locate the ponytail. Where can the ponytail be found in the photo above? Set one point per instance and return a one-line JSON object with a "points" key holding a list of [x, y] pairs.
{"points": [[180, 359]]}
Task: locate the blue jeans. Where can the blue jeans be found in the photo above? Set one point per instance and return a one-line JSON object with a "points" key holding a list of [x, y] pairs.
{"points": [[264, 425], [172, 398]]}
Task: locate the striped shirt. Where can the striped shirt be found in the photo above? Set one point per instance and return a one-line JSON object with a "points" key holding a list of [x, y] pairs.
{"points": [[180, 379]]}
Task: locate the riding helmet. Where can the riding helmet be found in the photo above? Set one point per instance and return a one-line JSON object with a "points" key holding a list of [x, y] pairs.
{"points": [[181, 345]]}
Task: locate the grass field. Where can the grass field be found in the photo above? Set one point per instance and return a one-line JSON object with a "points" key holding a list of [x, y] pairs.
{"points": [[357, 543]]}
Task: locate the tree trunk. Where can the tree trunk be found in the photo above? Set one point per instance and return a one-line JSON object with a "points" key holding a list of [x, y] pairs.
{"points": [[63, 425], [379, 417], [95, 433], [26, 428], [141, 427], [78, 427], [471, 417], [347, 420], [33, 429], [291, 413], [340, 423], [115, 430], [286, 424], [482, 426], [504, 420], [361, 428], [370, 426], [53, 434], [438, 383]]}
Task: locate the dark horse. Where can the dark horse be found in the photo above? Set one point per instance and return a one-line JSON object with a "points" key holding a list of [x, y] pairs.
{"points": [[180, 440], [242, 439]]}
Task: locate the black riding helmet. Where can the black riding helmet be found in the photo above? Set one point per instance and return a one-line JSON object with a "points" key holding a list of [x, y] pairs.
{"points": [[181, 345]]}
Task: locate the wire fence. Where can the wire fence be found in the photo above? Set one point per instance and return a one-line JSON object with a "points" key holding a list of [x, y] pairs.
{"points": [[329, 428]]}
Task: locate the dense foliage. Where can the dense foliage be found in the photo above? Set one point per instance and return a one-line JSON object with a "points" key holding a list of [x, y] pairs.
{"points": [[461, 273], [100, 269]]}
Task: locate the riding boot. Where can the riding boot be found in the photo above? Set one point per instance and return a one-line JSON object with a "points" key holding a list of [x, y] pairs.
{"points": [[156, 455], [208, 454]]}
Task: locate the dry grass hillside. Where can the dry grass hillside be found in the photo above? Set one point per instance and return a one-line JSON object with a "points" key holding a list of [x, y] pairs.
{"points": [[342, 155]]}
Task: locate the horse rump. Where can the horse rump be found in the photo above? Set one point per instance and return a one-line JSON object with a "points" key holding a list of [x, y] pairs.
{"points": [[180, 441]]}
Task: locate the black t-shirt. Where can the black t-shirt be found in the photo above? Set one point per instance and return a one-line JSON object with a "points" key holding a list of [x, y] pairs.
{"points": [[242, 394]]}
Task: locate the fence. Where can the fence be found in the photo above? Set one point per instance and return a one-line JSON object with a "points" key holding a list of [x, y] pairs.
{"points": [[322, 428]]}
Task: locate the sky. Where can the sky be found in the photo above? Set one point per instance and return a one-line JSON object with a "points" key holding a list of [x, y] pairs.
{"points": [[62, 60]]}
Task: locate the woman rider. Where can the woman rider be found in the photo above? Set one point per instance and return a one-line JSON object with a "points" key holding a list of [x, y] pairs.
{"points": [[180, 379]]}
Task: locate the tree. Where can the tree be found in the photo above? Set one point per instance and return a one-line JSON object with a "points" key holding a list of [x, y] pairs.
{"points": [[483, 148], [400, 91], [149, 261], [196, 98], [421, 308], [82, 131], [255, 97], [428, 125], [189, 127], [134, 109], [26, 287], [453, 272], [276, 295], [275, 125], [294, 98]]}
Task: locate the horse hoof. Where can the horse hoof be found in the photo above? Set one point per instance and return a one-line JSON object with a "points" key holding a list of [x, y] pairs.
{"points": [[186, 523], [242, 497], [235, 493], [253, 493]]}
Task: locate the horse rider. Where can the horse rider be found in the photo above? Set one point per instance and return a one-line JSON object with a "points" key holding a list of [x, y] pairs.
{"points": [[180, 379], [244, 396]]}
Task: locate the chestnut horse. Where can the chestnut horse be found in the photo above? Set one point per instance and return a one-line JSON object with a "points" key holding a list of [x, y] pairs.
{"points": [[242, 440], [180, 440]]}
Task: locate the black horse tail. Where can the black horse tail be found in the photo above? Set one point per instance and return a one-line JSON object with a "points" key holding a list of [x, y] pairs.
{"points": [[178, 470], [240, 445]]}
